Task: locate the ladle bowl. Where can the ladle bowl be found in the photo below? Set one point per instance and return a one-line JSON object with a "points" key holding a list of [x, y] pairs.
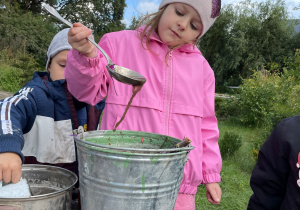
{"points": [[126, 76], [120, 73]]}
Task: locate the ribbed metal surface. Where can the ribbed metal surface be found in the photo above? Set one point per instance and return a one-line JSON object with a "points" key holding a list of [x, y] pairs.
{"points": [[111, 178]]}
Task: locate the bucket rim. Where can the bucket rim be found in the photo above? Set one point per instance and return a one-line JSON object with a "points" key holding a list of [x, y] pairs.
{"points": [[83, 142]]}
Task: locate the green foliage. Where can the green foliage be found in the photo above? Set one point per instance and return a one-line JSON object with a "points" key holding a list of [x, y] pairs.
{"points": [[25, 32], [243, 156], [101, 16], [23, 63], [10, 78], [229, 144], [221, 89], [226, 108], [32, 6], [218, 103], [259, 140], [257, 96], [246, 36], [292, 65], [28, 66], [135, 21], [266, 98]]}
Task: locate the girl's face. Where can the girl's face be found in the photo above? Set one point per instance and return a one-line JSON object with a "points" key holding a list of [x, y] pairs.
{"points": [[178, 24], [57, 65]]}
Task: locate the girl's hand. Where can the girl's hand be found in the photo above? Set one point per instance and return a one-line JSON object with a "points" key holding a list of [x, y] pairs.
{"points": [[10, 167], [77, 37], [213, 193]]}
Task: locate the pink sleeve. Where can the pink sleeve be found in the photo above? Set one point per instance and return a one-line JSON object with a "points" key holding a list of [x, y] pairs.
{"points": [[88, 78], [212, 161]]}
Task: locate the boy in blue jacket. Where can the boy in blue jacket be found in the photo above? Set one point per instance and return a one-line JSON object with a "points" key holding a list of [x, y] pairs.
{"points": [[37, 122]]}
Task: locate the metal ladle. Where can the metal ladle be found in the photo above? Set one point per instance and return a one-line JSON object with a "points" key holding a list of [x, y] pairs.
{"points": [[120, 73]]}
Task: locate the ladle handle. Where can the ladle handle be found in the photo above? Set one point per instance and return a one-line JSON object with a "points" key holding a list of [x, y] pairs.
{"points": [[109, 62], [53, 12]]}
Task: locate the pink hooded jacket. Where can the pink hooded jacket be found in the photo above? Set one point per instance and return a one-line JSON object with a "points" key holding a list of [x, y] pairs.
{"points": [[177, 99]]}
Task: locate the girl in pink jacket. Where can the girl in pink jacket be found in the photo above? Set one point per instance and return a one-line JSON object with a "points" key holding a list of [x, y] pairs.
{"points": [[178, 97]]}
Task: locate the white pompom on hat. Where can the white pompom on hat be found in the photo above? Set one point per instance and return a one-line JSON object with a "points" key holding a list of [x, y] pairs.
{"points": [[208, 10], [58, 44]]}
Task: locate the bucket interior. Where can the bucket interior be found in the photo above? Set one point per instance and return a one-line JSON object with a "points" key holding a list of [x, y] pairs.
{"points": [[50, 187], [47, 180]]}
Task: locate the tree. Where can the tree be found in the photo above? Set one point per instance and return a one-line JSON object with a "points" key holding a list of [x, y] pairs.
{"points": [[101, 16], [25, 32], [32, 6], [135, 21], [248, 36]]}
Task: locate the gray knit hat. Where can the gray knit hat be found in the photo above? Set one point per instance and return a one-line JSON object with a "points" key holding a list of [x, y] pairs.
{"points": [[208, 10], [58, 44]]}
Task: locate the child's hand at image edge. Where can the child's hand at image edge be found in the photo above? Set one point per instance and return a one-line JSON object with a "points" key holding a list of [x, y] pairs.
{"points": [[10, 167]]}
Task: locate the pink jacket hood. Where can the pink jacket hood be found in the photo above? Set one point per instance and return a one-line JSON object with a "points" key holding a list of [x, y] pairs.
{"points": [[177, 99]]}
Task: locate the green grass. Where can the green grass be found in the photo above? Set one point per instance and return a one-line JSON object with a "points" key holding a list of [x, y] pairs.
{"points": [[235, 189], [235, 174], [243, 157]]}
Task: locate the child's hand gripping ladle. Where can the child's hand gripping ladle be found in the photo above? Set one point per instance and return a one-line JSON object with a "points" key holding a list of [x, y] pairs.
{"points": [[120, 73]]}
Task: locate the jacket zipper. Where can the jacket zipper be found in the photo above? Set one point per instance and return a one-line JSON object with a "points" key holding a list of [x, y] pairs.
{"points": [[168, 94]]}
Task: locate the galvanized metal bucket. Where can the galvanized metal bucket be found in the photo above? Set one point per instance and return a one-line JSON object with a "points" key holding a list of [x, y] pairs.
{"points": [[51, 188], [129, 170]]}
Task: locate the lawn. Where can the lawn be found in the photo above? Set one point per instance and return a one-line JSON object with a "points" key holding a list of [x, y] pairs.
{"points": [[236, 172]]}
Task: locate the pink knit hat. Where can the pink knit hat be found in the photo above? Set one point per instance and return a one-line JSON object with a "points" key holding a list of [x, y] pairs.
{"points": [[208, 10]]}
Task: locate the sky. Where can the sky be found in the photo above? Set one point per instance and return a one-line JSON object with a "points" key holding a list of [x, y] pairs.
{"points": [[136, 7]]}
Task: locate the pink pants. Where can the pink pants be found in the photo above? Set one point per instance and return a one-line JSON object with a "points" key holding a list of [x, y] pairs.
{"points": [[185, 202]]}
